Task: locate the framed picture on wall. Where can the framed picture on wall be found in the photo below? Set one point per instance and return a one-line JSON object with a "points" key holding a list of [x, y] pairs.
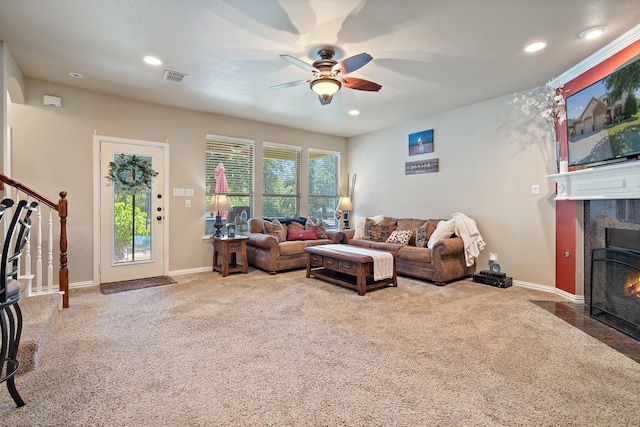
{"points": [[421, 142]]}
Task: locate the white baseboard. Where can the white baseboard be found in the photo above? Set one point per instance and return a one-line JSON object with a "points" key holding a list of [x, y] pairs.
{"points": [[190, 271], [77, 285], [577, 299]]}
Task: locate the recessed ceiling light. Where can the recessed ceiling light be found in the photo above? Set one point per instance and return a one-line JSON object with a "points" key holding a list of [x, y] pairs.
{"points": [[593, 32], [76, 75], [534, 47], [354, 112], [152, 60]]}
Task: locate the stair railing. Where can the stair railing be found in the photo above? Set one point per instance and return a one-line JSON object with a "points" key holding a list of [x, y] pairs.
{"points": [[63, 273]]}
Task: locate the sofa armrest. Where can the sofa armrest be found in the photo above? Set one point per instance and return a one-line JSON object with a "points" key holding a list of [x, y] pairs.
{"points": [[336, 236], [450, 246], [348, 235], [262, 241]]}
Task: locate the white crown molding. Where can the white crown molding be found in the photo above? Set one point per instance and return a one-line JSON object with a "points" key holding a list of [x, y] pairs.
{"points": [[625, 40]]}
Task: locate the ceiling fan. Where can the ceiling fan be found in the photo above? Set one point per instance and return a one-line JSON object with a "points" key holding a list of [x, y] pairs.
{"points": [[328, 74]]}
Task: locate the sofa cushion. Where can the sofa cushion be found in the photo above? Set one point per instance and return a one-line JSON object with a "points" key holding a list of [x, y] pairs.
{"points": [[275, 229], [410, 224], [378, 232], [400, 237], [296, 226], [444, 230], [292, 247], [287, 220], [412, 253], [308, 234], [360, 243], [359, 230], [315, 222], [256, 225], [387, 247], [296, 247]]}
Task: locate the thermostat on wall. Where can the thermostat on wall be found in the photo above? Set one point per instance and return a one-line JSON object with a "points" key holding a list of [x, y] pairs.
{"points": [[52, 101]]}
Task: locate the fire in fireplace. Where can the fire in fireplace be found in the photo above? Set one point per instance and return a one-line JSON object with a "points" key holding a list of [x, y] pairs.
{"points": [[615, 281]]}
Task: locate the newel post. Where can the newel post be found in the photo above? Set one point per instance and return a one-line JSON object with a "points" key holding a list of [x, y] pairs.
{"points": [[64, 272]]}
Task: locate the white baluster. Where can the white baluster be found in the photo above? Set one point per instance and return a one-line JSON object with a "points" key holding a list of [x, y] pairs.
{"points": [[39, 252], [50, 255]]}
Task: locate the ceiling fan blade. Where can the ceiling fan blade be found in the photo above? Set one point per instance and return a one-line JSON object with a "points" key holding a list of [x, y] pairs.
{"points": [[298, 63], [289, 84], [325, 101], [352, 63], [360, 84]]}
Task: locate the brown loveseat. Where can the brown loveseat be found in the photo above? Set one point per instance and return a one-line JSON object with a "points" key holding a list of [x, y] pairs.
{"points": [[273, 252], [443, 263]]}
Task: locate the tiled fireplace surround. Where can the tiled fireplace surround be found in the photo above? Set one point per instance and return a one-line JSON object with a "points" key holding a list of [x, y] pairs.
{"points": [[610, 198]]}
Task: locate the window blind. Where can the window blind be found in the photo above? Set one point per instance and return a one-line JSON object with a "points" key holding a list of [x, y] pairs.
{"points": [[237, 158], [281, 180], [324, 170]]}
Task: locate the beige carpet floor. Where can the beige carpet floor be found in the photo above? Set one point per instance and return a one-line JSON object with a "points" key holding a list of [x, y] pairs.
{"points": [[284, 350]]}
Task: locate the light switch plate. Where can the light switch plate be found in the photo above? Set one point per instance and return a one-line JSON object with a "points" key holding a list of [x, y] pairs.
{"points": [[178, 192], [188, 192]]}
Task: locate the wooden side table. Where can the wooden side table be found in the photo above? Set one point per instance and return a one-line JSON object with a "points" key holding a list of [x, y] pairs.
{"points": [[229, 247]]}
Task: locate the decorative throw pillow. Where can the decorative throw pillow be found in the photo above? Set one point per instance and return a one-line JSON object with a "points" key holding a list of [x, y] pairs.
{"points": [[314, 222], [444, 230], [400, 237], [378, 232], [422, 236], [275, 229], [308, 234], [359, 233]]}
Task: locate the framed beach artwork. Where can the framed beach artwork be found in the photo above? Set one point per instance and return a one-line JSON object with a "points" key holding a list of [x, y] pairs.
{"points": [[421, 142]]}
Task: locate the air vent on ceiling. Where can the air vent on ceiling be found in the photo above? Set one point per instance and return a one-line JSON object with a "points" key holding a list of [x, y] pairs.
{"points": [[173, 76]]}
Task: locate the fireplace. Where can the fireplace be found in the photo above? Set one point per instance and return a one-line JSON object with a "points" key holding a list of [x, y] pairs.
{"points": [[615, 281]]}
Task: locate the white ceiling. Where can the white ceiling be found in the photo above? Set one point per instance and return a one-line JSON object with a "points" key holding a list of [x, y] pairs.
{"points": [[429, 55]]}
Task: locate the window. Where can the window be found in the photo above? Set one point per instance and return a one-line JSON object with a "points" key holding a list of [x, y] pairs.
{"points": [[281, 180], [236, 157], [324, 170]]}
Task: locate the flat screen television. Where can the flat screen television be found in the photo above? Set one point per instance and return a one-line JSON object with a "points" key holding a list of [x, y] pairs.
{"points": [[603, 119]]}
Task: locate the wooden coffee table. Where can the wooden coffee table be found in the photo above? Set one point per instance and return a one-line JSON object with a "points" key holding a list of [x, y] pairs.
{"points": [[351, 270]]}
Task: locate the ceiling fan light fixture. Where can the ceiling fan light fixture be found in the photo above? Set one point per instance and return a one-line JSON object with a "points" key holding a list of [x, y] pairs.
{"points": [[325, 87]]}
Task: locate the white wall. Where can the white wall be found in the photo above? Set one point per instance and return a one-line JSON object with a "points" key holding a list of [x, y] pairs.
{"points": [[52, 151], [489, 155]]}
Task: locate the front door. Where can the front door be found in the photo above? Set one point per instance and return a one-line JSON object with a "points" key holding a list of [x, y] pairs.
{"points": [[131, 222]]}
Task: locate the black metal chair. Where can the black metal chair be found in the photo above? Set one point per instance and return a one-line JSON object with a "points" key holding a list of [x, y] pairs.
{"points": [[10, 313]]}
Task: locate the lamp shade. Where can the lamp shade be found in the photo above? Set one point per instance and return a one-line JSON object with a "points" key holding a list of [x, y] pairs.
{"points": [[219, 202], [345, 204], [325, 86]]}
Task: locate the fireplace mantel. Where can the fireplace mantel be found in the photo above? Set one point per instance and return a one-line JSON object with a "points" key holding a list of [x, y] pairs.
{"points": [[613, 181]]}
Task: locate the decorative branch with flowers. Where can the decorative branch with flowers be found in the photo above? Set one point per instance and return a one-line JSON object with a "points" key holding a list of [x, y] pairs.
{"points": [[545, 102]]}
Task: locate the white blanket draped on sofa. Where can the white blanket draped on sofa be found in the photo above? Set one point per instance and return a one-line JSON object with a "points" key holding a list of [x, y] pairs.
{"points": [[382, 261], [467, 230]]}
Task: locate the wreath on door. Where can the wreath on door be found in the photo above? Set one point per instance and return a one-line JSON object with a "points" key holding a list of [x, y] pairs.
{"points": [[131, 174]]}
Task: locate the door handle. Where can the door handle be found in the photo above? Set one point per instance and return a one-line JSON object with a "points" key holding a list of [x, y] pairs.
{"points": [[159, 217]]}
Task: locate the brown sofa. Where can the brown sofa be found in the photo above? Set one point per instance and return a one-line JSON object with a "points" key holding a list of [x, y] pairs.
{"points": [[441, 264], [267, 253]]}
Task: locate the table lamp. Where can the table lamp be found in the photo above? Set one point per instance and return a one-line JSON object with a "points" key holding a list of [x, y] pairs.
{"points": [[344, 207], [219, 202]]}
